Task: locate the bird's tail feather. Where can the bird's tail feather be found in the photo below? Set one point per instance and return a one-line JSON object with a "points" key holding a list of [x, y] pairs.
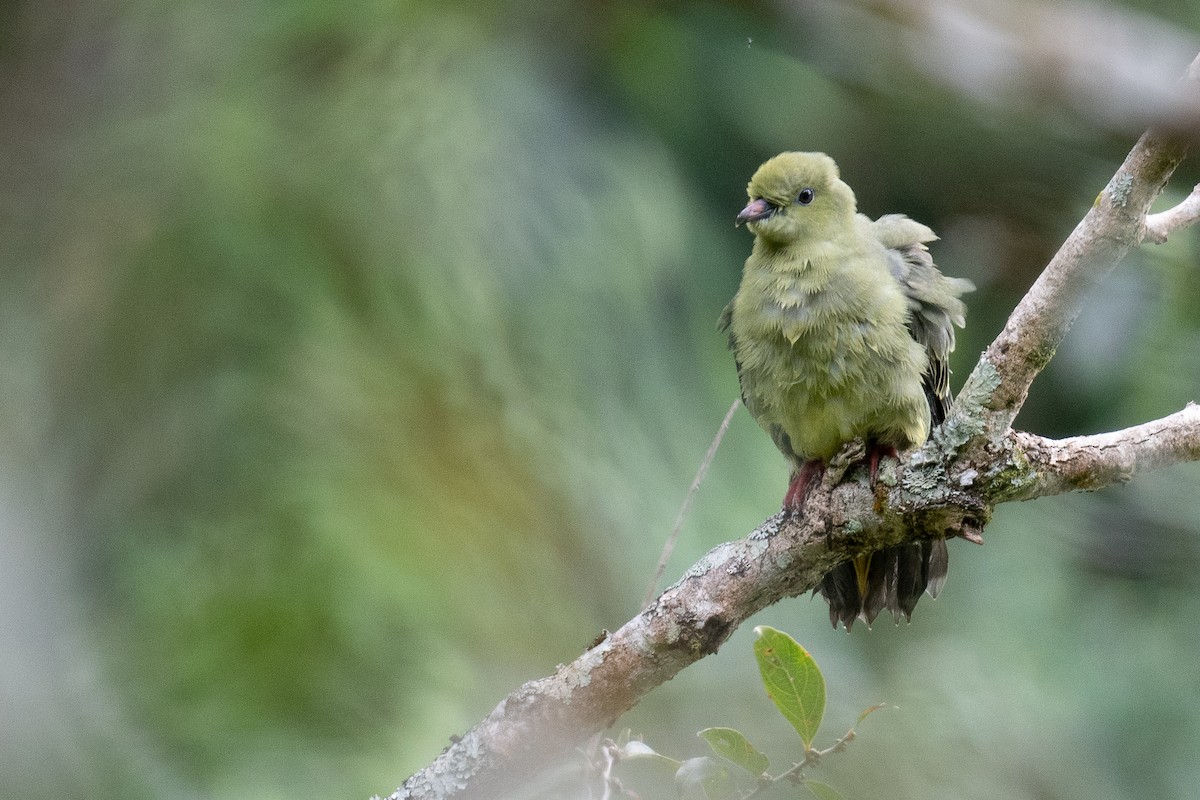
{"points": [[892, 578]]}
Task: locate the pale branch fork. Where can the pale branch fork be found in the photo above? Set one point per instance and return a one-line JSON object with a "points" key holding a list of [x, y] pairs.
{"points": [[948, 487]]}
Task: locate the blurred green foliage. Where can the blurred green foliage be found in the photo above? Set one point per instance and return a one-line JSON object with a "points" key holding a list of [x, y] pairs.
{"points": [[357, 359]]}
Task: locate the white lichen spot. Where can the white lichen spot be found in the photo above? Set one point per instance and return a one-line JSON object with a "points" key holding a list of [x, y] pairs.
{"points": [[706, 609], [1122, 185], [717, 557], [983, 381], [755, 549]]}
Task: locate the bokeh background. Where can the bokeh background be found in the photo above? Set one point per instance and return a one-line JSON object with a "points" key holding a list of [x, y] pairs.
{"points": [[357, 357]]}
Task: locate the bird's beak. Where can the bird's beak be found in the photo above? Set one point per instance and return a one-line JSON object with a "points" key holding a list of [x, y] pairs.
{"points": [[758, 209]]}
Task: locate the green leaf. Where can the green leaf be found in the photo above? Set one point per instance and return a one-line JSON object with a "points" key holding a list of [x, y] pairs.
{"points": [[792, 679], [732, 744], [704, 778], [823, 791]]}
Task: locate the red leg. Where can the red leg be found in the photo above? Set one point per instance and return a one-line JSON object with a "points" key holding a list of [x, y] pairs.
{"points": [[878, 451], [802, 481]]}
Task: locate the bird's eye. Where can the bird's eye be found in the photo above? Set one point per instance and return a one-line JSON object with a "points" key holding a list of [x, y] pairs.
{"points": [[805, 197]]}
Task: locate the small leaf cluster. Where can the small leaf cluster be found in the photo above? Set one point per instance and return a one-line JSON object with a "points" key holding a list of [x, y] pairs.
{"points": [[738, 770]]}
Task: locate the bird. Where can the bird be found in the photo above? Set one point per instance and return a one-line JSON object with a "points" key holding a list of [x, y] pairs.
{"points": [[841, 330]]}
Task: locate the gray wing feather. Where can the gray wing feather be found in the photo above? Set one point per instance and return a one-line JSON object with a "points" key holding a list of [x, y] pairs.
{"points": [[934, 302]]}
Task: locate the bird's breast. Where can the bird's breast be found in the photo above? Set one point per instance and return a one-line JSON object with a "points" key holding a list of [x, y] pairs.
{"points": [[824, 362]]}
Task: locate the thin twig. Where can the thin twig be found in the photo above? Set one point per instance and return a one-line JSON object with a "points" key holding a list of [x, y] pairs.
{"points": [[669, 546], [811, 757]]}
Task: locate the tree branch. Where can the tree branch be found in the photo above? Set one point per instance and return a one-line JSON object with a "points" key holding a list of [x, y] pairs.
{"points": [[1085, 463], [946, 488], [1162, 225], [1116, 223], [784, 557]]}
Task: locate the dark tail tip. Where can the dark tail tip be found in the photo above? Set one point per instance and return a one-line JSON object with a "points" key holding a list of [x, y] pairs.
{"points": [[895, 580]]}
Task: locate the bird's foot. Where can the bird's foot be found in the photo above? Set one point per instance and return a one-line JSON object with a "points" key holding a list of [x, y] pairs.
{"points": [[803, 480], [875, 453]]}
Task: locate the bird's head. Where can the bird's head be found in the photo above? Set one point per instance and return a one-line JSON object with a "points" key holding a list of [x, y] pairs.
{"points": [[797, 196]]}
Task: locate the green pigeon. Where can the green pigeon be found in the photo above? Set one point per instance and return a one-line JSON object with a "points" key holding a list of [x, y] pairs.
{"points": [[841, 330]]}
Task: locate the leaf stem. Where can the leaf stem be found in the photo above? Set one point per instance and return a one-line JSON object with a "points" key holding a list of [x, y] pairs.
{"points": [[796, 771]]}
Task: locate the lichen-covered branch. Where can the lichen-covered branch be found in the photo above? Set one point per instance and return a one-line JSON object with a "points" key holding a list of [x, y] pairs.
{"points": [[1041, 320], [948, 487], [784, 557], [1093, 462], [931, 494], [546, 718], [1115, 224]]}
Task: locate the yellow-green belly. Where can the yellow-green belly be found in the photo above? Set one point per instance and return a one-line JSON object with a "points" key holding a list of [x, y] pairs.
{"points": [[823, 383]]}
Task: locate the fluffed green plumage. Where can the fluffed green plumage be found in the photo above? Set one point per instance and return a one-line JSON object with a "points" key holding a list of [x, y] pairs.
{"points": [[841, 330]]}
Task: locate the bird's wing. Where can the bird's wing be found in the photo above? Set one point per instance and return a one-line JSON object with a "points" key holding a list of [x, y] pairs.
{"points": [[934, 302]]}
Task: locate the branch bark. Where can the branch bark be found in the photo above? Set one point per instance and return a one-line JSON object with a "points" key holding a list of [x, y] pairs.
{"points": [[1161, 225], [1116, 223], [1085, 463], [948, 487]]}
